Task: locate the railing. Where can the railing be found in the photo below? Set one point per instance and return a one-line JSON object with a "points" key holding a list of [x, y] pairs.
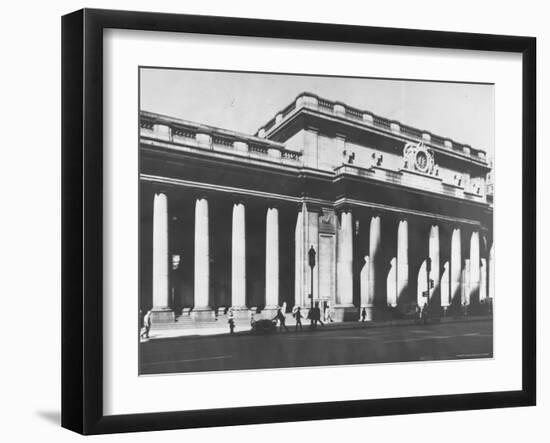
{"points": [[291, 155], [146, 124], [315, 102], [258, 149], [354, 113], [222, 141], [183, 133], [438, 140], [288, 109], [325, 104], [412, 132], [379, 121]]}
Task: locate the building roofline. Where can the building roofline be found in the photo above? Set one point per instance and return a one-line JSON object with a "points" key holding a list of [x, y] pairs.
{"points": [[350, 112], [206, 129]]}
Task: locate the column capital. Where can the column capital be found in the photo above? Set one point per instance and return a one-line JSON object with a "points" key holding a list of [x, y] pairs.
{"points": [[239, 199], [346, 207], [273, 204], [160, 189], [299, 206], [313, 206], [202, 196]]}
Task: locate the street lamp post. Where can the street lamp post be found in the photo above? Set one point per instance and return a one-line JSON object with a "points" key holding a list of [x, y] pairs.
{"points": [[312, 254]]}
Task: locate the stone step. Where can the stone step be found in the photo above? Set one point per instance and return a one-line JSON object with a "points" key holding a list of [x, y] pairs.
{"points": [[186, 322]]}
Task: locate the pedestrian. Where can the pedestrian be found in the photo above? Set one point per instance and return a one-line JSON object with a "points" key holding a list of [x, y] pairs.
{"points": [[364, 314], [418, 312], [315, 316], [425, 313], [146, 325], [282, 320], [231, 322], [298, 317], [318, 314], [328, 314]]}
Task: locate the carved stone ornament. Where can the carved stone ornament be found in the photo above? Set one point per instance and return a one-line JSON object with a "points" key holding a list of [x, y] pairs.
{"points": [[327, 221], [417, 157]]}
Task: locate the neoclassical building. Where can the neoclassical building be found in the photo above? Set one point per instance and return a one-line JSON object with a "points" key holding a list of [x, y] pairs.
{"points": [[396, 215]]}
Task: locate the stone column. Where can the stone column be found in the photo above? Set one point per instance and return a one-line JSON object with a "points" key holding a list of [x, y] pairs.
{"points": [[456, 265], [161, 292], [272, 259], [445, 293], [422, 284], [299, 280], [466, 282], [474, 266], [483, 281], [344, 273], [202, 310], [391, 283], [238, 258], [434, 256], [364, 283], [375, 249], [491, 276], [402, 259]]}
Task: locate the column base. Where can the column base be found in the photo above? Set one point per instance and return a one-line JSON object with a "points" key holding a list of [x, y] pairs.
{"points": [[241, 313], [203, 314], [162, 316], [269, 312], [342, 313]]}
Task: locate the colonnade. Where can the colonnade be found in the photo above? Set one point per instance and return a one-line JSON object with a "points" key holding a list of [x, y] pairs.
{"points": [[383, 277]]}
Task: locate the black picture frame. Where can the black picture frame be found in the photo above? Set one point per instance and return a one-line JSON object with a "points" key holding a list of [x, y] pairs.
{"points": [[82, 215]]}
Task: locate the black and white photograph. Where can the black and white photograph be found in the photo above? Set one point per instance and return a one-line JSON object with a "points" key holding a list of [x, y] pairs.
{"points": [[292, 221], [249, 222]]}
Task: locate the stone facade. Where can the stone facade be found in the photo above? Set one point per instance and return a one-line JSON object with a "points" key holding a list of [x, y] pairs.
{"points": [[397, 216]]}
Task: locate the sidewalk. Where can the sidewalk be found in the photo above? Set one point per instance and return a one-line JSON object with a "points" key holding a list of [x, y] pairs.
{"points": [[222, 327]]}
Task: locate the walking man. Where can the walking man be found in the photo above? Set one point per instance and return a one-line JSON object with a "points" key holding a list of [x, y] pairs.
{"points": [[317, 310], [315, 316], [231, 322], [146, 325], [282, 320], [298, 317]]}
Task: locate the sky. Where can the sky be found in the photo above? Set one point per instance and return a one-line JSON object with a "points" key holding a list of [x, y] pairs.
{"points": [[244, 102]]}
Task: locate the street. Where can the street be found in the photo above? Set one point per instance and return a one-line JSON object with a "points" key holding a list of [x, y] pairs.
{"points": [[325, 346]]}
